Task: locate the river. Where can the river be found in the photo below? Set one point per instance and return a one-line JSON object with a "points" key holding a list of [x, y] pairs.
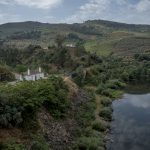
{"points": [[130, 128]]}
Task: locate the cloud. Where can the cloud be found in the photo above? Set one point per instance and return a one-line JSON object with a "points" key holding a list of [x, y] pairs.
{"points": [[6, 17], [141, 101], [42, 4], [118, 10], [143, 5], [129, 11], [89, 10], [4, 2]]}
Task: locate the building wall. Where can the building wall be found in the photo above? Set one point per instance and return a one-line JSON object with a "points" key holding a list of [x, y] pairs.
{"points": [[39, 76], [34, 77], [29, 77]]}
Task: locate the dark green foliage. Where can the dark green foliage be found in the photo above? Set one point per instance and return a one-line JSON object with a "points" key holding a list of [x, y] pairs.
{"points": [[19, 103], [115, 84], [142, 57], [54, 96], [78, 76], [106, 113], [80, 50], [116, 25], [10, 114], [5, 74], [59, 40], [10, 56], [21, 68], [87, 30], [73, 36], [11, 145], [61, 57], [106, 101], [89, 143], [85, 113], [39, 143], [25, 35], [99, 126]]}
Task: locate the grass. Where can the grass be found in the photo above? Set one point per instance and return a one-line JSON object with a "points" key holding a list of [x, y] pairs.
{"points": [[89, 143], [120, 45], [106, 113], [12, 145], [106, 101], [99, 126], [100, 48]]}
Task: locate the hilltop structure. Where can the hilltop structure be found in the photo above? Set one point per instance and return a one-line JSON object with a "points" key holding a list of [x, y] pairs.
{"points": [[31, 75]]}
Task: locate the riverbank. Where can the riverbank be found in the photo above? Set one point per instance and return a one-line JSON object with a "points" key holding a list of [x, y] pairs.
{"points": [[99, 125]]}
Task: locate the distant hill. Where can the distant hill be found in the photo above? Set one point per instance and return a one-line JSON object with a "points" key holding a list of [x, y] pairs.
{"points": [[99, 36]]}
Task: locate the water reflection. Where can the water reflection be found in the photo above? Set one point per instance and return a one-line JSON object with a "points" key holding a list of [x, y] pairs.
{"points": [[131, 126]]}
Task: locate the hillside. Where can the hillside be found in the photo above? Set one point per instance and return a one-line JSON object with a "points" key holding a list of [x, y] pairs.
{"points": [[99, 36], [70, 109]]}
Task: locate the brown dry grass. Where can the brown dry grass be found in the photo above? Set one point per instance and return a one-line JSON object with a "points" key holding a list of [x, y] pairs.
{"points": [[73, 88]]}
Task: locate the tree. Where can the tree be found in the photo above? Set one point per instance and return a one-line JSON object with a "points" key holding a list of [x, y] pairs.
{"points": [[21, 68], [5, 74], [59, 40]]}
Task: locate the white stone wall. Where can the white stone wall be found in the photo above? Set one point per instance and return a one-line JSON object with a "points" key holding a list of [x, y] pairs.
{"points": [[39, 76], [34, 77]]}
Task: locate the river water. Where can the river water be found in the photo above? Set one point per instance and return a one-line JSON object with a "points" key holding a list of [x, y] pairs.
{"points": [[130, 128]]}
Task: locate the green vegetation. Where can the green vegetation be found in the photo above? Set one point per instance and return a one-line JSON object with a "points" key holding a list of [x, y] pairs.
{"points": [[39, 143], [100, 37], [99, 126], [89, 143], [5, 74], [101, 48], [20, 103], [11, 145], [106, 58], [25, 35], [36, 143], [106, 113], [106, 101]]}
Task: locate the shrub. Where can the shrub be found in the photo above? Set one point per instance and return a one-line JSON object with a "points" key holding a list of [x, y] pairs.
{"points": [[106, 113], [54, 95], [11, 145], [107, 92], [106, 101], [10, 114], [100, 88], [5, 75], [88, 143], [115, 84], [39, 143], [19, 103], [99, 126]]}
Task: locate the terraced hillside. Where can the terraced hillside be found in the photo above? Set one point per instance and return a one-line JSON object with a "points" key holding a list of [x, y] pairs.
{"points": [[99, 36]]}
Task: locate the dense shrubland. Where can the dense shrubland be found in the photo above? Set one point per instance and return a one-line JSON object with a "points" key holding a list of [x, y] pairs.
{"points": [[107, 79], [112, 73], [6, 74], [25, 35], [108, 76], [20, 103]]}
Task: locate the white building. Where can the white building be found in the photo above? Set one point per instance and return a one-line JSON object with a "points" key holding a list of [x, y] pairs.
{"points": [[70, 45], [31, 75]]}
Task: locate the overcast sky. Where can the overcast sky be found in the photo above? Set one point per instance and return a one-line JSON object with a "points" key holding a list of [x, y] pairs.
{"points": [[70, 11]]}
